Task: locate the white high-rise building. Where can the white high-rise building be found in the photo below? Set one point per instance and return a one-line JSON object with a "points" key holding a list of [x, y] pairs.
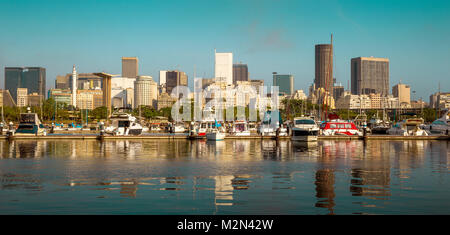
{"points": [[145, 91], [74, 87], [162, 77], [223, 67]]}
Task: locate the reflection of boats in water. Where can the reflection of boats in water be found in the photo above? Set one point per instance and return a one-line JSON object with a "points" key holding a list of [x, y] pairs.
{"points": [[30, 125], [408, 127], [304, 145], [123, 124], [304, 129]]}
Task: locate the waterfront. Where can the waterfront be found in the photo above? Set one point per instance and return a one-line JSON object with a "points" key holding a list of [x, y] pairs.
{"points": [[225, 177]]}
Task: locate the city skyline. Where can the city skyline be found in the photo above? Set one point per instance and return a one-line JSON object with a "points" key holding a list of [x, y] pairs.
{"points": [[411, 35]]}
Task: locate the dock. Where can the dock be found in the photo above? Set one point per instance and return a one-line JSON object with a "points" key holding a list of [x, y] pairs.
{"points": [[171, 137]]}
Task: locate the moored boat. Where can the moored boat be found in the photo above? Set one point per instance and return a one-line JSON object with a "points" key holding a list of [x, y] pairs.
{"points": [[123, 124], [408, 127], [304, 129], [339, 127]]}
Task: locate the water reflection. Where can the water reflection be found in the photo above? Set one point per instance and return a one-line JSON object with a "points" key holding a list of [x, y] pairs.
{"points": [[253, 176]]}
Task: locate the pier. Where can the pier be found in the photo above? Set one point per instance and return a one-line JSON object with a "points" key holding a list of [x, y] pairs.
{"points": [[161, 137]]}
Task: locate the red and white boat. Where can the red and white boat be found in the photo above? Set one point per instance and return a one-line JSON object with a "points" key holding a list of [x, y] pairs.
{"points": [[339, 127]]}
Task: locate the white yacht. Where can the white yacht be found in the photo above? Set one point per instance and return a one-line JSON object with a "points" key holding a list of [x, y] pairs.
{"points": [[408, 127], [305, 129], [179, 128], [441, 125], [215, 134], [123, 124], [240, 128]]}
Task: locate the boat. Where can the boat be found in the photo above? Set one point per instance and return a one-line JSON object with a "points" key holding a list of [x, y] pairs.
{"points": [[268, 127], [177, 128], [305, 129], [378, 126], [216, 132], [408, 127], [441, 125], [240, 128], [339, 127], [29, 124], [123, 124]]}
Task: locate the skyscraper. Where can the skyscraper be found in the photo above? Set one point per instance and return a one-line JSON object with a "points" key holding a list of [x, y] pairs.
{"points": [[174, 79], [370, 75], [145, 91], [32, 78], [324, 67], [285, 83], [130, 67], [402, 92], [240, 73], [223, 67], [74, 87]]}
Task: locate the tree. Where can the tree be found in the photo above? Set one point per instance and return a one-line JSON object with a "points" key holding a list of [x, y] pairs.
{"points": [[99, 113]]}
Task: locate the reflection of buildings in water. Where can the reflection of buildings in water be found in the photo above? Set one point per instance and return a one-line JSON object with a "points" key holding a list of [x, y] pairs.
{"points": [[407, 155], [373, 183], [27, 148], [241, 146], [241, 182], [198, 148], [129, 189], [439, 155], [171, 183], [325, 189], [223, 190], [20, 181]]}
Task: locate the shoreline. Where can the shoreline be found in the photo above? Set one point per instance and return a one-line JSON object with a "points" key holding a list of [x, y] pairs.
{"points": [[186, 137]]}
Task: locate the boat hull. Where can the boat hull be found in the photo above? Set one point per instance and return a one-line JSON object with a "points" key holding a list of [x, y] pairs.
{"points": [[215, 136]]}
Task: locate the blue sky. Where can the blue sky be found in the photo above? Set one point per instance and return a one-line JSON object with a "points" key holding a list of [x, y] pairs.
{"points": [[269, 36]]}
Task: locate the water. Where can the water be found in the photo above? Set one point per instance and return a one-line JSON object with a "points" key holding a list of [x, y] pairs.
{"points": [[225, 177]]}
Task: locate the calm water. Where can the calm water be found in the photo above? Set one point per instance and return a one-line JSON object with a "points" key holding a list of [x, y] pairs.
{"points": [[226, 177]]}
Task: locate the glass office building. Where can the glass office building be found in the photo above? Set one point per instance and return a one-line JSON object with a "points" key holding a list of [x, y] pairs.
{"points": [[32, 78], [285, 83]]}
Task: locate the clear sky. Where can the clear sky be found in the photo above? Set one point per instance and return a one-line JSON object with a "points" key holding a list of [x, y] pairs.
{"points": [[269, 36]]}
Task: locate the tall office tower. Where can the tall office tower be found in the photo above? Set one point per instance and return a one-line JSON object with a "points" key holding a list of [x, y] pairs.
{"points": [[402, 92], [338, 91], [223, 67], [370, 75], [240, 73], [162, 77], [285, 83], [175, 78], [74, 87], [324, 67], [32, 78], [145, 91], [130, 67]]}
